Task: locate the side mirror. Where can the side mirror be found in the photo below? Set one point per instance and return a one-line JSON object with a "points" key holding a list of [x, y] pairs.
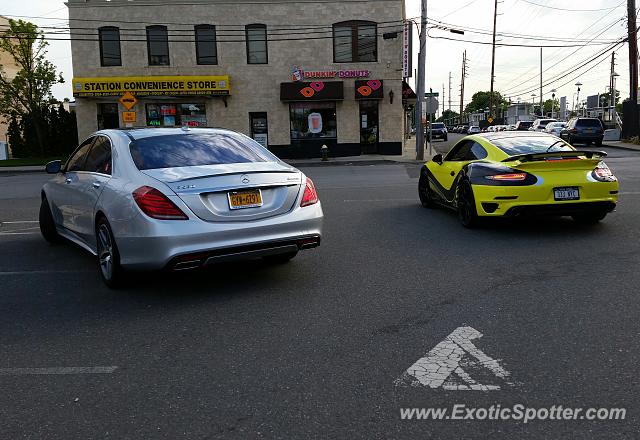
{"points": [[53, 167], [437, 159]]}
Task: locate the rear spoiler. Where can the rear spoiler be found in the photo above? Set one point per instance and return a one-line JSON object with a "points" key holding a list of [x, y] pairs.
{"points": [[555, 154]]}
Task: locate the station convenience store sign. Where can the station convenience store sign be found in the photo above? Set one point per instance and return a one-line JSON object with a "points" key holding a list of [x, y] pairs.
{"points": [[152, 86]]}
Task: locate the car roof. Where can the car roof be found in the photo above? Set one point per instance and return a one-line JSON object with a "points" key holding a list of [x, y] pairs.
{"points": [[141, 133]]}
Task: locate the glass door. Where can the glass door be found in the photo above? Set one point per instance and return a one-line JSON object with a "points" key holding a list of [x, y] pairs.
{"points": [[259, 128], [369, 126]]}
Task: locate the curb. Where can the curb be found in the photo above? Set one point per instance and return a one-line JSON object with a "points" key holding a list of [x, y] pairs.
{"points": [[621, 147]]}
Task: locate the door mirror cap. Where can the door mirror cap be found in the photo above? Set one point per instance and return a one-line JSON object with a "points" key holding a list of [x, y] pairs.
{"points": [[53, 167], [437, 159]]}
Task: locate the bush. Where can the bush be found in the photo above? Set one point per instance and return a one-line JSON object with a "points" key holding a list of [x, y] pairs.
{"points": [[58, 126]]}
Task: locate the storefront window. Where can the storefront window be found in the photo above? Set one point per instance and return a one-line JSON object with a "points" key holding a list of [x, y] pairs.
{"points": [[108, 116], [176, 115], [313, 120]]}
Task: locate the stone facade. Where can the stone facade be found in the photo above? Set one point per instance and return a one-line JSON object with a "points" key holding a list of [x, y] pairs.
{"points": [[254, 87]]}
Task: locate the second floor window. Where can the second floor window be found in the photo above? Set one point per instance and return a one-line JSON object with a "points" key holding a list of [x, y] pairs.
{"points": [[206, 50], [256, 35], [109, 38], [355, 41], [158, 45]]}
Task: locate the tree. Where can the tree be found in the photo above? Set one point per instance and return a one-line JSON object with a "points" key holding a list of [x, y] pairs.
{"points": [[606, 96], [480, 102], [551, 106], [25, 100], [447, 115]]}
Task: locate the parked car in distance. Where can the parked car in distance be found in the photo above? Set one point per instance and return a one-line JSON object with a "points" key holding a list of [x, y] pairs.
{"points": [[523, 125], [541, 124], [583, 130], [511, 127], [464, 129], [555, 127], [438, 131], [177, 199], [474, 129]]}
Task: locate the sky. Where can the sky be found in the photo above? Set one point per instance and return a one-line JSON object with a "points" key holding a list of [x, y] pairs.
{"points": [[517, 69]]}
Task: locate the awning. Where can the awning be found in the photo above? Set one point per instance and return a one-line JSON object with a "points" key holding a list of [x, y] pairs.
{"points": [[369, 89], [312, 91], [407, 93]]}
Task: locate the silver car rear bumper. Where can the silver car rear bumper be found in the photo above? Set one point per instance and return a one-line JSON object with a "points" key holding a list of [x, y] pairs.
{"points": [[166, 243]]}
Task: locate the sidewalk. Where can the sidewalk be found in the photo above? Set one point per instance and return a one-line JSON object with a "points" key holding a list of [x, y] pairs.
{"points": [[29, 169], [408, 156], [622, 145]]}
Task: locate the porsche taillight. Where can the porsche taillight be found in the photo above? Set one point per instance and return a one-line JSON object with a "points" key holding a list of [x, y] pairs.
{"points": [[509, 177]]}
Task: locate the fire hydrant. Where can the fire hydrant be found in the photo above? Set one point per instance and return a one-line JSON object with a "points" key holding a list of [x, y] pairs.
{"points": [[324, 151]]}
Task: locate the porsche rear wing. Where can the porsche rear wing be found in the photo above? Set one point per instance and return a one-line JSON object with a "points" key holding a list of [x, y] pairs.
{"points": [[532, 157]]}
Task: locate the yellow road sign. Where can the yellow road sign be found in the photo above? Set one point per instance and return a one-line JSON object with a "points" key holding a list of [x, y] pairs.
{"points": [[489, 119], [128, 116], [128, 100]]}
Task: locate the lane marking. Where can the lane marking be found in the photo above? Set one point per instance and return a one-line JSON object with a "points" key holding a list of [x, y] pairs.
{"points": [[19, 222], [629, 193], [40, 272], [19, 233], [442, 366], [56, 370]]}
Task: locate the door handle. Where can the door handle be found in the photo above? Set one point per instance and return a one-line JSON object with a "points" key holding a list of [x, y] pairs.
{"points": [[67, 180], [96, 185]]}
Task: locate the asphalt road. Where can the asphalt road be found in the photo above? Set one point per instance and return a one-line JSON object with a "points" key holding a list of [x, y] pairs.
{"points": [[317, 348]]}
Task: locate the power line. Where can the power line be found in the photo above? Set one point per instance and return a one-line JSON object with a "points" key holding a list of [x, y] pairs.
{"points": [[570, 10]]}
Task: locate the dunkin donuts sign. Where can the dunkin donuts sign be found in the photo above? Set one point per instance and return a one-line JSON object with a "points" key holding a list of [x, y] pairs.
{"points": [[298, 74]]}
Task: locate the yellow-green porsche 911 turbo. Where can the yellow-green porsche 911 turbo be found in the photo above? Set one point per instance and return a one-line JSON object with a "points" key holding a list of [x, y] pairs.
{"points": [[509, 174]]}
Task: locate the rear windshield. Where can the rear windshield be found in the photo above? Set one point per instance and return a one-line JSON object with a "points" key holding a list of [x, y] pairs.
{"points": [[515, 145], [545, 121], [192, 149], [588, 123], [525, 123], [437, 125]]}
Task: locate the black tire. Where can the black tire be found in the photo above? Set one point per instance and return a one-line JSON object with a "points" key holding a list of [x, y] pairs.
{"points": [[599, 143], [47, 225], [466, 205], [280, 258], [109, 267], [570, 140], [589, 218], [424, 191], [444, 139]]}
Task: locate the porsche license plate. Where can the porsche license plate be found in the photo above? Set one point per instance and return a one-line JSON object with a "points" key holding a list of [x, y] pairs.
{"points": [[566, 193], [245, 199]]}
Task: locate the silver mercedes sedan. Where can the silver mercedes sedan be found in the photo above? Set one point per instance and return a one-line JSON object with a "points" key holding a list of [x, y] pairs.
{"points": [[147, 199]]}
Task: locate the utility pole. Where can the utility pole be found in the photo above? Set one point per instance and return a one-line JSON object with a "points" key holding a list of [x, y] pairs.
{"points": [[612, 92], [464, 75], [493, 56], [420, 85], [449, 91], [541, 101], [631, 114]]}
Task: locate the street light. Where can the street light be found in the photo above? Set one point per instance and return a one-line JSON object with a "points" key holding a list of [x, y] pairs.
{"points": [[553, 101], [533, 103], [578, 84]]}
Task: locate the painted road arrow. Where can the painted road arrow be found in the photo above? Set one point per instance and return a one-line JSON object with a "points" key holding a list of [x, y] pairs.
{"points": [[442, 367]]}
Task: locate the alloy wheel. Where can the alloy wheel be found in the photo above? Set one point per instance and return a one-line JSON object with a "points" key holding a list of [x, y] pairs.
{"points": [[105, 251]]}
